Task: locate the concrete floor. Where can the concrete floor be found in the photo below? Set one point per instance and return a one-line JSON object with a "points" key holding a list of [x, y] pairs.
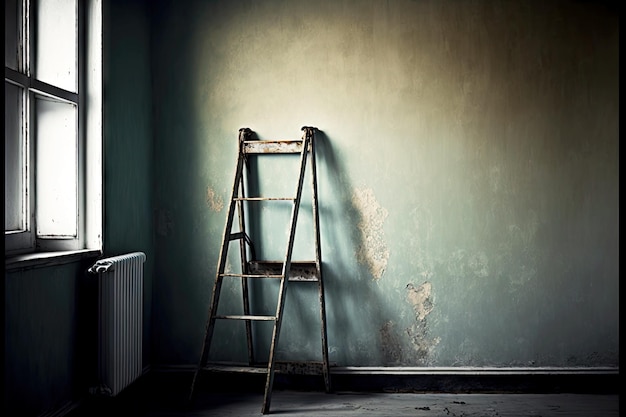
{"points": [[286, 403], [316, 404], [168, 397]]}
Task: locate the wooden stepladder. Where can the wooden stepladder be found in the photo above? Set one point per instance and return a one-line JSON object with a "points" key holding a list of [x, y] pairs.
{"points": [[285, 270]]}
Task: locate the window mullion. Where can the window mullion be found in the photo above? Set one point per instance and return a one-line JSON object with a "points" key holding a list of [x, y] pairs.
{"points": [[31, 169], [16, 77], [29, 48], [53, 91], [81, 54]]}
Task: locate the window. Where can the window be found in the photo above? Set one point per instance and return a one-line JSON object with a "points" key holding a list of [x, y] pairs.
{"points": [[53, 125]]}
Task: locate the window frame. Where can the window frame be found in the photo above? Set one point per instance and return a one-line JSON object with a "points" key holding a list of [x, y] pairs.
{"points": [[89, 149]]}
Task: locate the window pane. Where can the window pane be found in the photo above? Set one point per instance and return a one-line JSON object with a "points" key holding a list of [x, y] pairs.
{"points": [[57, 34], [56, 175], [13, 158], [12, 29]]}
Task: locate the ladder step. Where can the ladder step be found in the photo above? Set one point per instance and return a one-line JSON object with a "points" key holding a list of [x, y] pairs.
{"points": [[264, 199], [272, 146], [291, 368], [259, 275], [236, 368], [300, 270], [246, 317]]}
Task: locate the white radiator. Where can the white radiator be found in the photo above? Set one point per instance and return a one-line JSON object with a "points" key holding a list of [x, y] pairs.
{"points": [[120, 320]]}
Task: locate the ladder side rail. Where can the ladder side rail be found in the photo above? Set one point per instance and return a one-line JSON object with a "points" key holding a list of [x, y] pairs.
{"points": [[318, 262], [217, 286], [243, 256], [285, 272]]}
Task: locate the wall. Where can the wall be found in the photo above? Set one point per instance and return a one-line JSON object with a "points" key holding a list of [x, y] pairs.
{"points": [[49, 312], [468, 173], [47, 337], [128, 146]]}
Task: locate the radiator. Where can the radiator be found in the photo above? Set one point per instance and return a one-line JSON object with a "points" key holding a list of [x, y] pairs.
{"points": [[120, 321]]}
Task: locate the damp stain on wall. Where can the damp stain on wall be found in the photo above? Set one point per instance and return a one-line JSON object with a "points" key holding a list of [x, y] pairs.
{"points": [[390, 344], [214, 201], [420, 299], [373, 250], [164, 222]]}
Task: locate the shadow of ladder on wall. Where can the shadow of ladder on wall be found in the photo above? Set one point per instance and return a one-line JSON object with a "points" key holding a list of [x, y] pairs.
{"points": [[284, 270]]}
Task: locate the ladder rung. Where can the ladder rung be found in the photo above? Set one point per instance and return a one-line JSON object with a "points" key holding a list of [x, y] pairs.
{"points": [[272, 146], [259, 275], [264, 199], [246, 317], [237, 235]]}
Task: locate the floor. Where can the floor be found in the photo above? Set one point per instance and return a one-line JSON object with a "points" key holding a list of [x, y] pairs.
{"points": [[156, 399]]}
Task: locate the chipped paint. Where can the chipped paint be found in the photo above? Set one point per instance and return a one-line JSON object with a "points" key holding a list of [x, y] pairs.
{"points": [[419, 298], [373, 250], [421, 301], [214, 201]]}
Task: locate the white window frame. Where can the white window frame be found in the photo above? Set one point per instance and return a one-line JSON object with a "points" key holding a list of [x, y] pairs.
{"points": [[88, 100]]}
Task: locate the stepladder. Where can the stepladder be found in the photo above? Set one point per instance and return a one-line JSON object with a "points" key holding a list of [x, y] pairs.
{"points": [[254, 269]]}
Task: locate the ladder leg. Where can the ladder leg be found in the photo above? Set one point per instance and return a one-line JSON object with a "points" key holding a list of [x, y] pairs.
{"points": [[206, 345], [325, 361], [208, 335], [285, 276], [217, 287], [318, 261], [243, 255], [269, 382]]}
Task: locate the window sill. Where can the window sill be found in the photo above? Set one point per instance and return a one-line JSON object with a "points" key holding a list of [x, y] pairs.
{"points": [[43, 259]]}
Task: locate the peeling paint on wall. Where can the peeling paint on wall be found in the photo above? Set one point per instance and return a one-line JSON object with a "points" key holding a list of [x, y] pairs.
{"points": [[214, 201], [420, 299], [373, 250]]}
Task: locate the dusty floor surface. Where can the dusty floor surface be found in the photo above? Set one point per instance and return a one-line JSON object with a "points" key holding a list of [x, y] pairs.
{"points": [[431, 405], [290, 403]]}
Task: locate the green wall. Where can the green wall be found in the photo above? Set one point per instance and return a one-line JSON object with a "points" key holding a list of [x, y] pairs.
{"points": [[468, 174], [47, 338], [468, 178], [128, 145], [50, 339]]}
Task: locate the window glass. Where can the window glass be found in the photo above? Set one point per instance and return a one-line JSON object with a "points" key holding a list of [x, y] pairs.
{"points": [[56, 162], [57, 34], [13, 158]]}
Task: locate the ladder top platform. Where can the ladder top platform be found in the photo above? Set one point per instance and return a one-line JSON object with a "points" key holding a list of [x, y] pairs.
{"points": [[272, 146]]}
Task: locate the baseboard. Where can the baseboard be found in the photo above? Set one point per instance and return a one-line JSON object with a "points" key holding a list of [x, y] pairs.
{"points": [[598, 380], [421, 371]]}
